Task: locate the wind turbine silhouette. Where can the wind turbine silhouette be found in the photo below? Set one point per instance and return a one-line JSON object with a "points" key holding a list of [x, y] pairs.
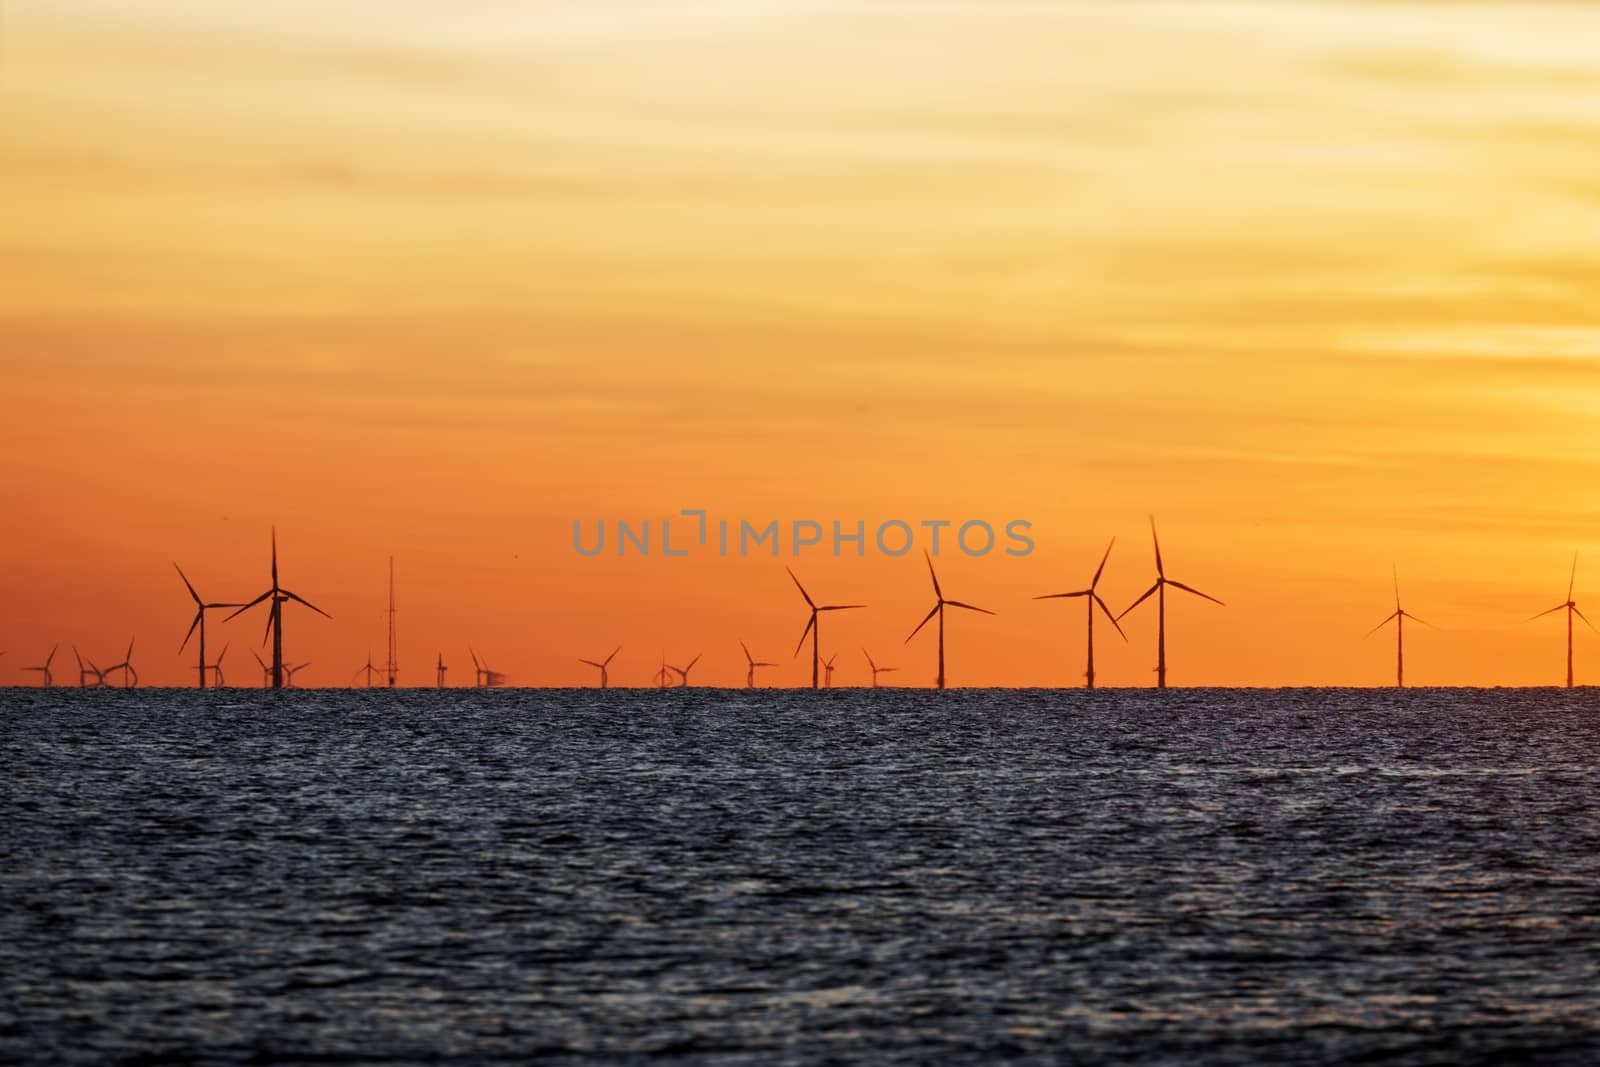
{"points": [[750, 674], [1092, 599], [439, 672], [485, 678], [605, 677], [1571, 608], [939, 604], [266, 671], [1399, 619], [83, 672], [876, 670], [814, 626], [130, 677], [1159, 590], [278, 596], [44, 669], [683, 672], [289, 673], [201, 607], [661, 674], [827, 668], [369, 669], [216, 668]]}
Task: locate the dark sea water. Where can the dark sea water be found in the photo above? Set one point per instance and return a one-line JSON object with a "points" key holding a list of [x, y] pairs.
{"points": [[710, 876]]}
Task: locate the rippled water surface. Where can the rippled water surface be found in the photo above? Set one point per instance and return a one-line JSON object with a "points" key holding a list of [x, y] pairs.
{"points": [[717, 876]]}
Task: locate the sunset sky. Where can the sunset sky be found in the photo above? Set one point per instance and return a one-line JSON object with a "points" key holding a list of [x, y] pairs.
{"points": [[1314, 283]]}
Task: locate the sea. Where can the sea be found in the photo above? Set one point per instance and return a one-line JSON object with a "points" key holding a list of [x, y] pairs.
{"points": [[892, 876]]}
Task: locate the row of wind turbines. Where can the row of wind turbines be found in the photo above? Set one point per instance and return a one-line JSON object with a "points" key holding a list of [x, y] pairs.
{"points": [[277, 674]]}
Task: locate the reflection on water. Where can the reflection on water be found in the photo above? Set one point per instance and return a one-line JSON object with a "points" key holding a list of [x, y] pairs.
{"points": [[889, 876]]}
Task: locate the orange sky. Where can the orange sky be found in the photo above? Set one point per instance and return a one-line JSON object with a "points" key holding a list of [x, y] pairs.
{"points": [[1312, 282]]}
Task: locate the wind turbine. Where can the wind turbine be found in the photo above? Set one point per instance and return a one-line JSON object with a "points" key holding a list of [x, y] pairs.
{"points": [[814, 626], [44, 669], [439, 672], [876, 670], [369, 669], [1092, 599], [1159, 590], [85, 672], [750, 674], [1570, 607], [683, 672], [216, 668], [289, 673], [201, 607], [1399, 619], [266, 671], [277, 596], [827, 669], [939, 604], [605, 677], [130, 677], [661, 674], [485, 678]]}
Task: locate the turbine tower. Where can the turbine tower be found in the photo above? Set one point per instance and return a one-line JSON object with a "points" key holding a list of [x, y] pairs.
{"points": [[814, 626], [605, 676], [438, 672], [393, 666], [1399, 619], [130, 677], [939, 604], [876, 670], [1570, 607], [201, 607], [683, 672], [750, 673], [47, 680], [277, 596], [1092, 599], [1159, 590]]}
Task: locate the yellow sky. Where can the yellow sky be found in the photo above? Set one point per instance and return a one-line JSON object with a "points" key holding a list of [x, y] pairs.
{"points": [[1313, 282]]}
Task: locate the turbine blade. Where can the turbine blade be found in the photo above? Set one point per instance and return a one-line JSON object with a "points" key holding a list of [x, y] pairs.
{"points": [[1196, 592], [613, 655], [1585, 618], [1542, 614], [936, 591], [812, 621], [747, 656], [1108, 615], [1572, 582], [192, 627], [1068, 596], [307, 603], [1157, 541], [797, 585], [274, 557], [1148, 593], [246, 607], [1396, 571], [867, 654], [925, 621], [1100, 569], [840, 607], [591, 663], [259, 660], [1382, 624], [186, 582], [1424, 622], [969, 607]]}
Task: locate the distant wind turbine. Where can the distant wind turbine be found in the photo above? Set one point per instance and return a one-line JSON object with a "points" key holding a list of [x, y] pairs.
{"points": [[85, 672], [130, 677], [814, 626], [439, 670], [369, 669], [876, 670], [485, 678], [605, 676], [1571, 608], [661, 676], [827, 668], [289, 673], [1092, 599], [1399, 619], [266, 671], [216, 668], [939, 604], [1159, 590], [277, 596], [201, 607], [750, 673], [683, 672], [43, 669]]}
